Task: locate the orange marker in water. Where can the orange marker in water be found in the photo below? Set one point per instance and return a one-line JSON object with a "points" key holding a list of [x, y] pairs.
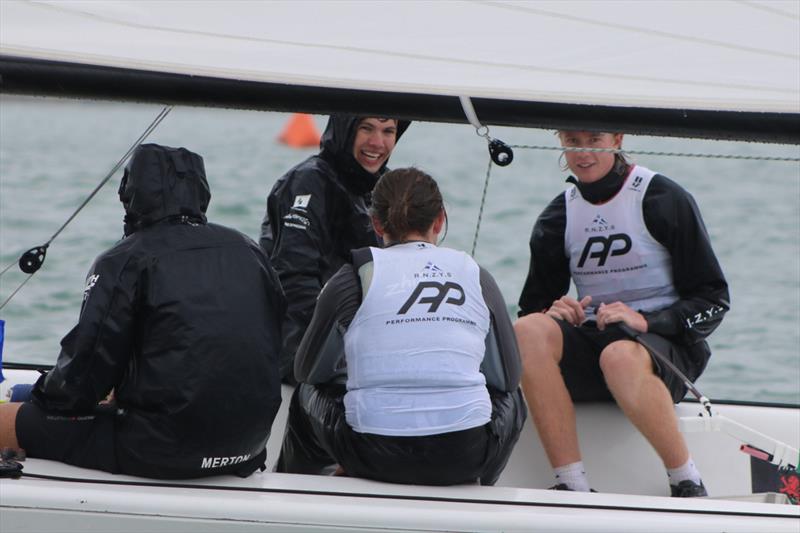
{"points": [[300, 132]]}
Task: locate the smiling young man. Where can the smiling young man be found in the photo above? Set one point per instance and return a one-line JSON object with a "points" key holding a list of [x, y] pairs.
{"points": [[319, 210], [374, 142], [635, 246]]}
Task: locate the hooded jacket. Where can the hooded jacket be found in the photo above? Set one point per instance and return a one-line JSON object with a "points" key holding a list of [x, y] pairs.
{"points": [[181, 320], [316, 213]]}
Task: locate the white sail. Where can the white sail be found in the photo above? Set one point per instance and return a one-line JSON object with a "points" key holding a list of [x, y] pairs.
{"points": [[720, 55]]}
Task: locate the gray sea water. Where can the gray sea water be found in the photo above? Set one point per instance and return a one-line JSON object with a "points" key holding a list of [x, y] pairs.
{"points": [[54, 152]]}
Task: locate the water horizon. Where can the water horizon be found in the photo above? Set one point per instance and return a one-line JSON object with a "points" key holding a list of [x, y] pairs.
{"points": [[53, 152]]}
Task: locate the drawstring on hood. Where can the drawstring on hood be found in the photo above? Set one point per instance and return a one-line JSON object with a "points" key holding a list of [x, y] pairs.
{"points": [[337, 148], [163, 183]]}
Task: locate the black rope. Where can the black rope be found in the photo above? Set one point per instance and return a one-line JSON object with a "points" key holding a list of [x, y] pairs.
{"points": [[635, 335]]}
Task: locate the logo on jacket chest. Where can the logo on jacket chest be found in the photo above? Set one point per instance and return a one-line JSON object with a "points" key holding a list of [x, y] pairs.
{"points": [[301, 201]]}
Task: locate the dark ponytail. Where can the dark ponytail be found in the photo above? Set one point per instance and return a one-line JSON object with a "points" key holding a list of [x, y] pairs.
{"points": [[406, 200]]}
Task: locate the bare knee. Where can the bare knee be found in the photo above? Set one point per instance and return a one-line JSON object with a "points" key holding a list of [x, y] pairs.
{"points": [[8, 425], [539, 339], [625, 360]]}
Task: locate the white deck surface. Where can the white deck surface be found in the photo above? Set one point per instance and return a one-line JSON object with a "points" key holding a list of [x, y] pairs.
{"points": [[285, 502]]}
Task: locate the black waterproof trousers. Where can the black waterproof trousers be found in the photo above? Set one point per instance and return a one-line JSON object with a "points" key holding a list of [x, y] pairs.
{"points": [[317, 437]]}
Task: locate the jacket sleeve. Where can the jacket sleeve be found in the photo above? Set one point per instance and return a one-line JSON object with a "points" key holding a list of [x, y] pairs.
{"points": [[302, 241], [673, 218], [548, 275], [501, 363], [96, 353], [320, 356]]}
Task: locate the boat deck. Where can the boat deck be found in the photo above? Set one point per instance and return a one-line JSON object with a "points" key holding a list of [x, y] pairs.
{"points": [[55, 496]]}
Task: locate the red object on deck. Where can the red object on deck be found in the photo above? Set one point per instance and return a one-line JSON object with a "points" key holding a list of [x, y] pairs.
{"points": [[300, 132], [755, 452]]}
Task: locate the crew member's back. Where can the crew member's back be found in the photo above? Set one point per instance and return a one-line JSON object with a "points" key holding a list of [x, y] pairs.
{"points": [[181, 320]]}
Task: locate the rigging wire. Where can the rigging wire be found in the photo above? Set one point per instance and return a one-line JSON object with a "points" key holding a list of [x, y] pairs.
{"points": [[32, 260], [15, 291], [657, 153], [153, 125], [483, 131], [499, 154], [480, 211]]}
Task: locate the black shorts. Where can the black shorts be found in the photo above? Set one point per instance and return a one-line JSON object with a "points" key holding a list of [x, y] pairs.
{"points": [[317, 435], [580, 363], [86, 441], [93, 441]]}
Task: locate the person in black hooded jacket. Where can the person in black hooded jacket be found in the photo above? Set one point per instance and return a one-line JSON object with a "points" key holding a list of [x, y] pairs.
{"points": [[319, 210], [180, 322]]}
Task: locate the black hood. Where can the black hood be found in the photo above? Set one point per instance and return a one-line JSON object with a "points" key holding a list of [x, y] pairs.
{"points": [[337, 148], [161, 183], [606, 187]]}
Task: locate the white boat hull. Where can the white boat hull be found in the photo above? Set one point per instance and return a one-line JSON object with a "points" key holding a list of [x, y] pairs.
{"points": [[621, 466], [283, 502]]}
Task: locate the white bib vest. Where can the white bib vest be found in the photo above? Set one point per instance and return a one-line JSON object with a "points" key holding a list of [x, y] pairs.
{"points": [[612, 256], [416, 343]]}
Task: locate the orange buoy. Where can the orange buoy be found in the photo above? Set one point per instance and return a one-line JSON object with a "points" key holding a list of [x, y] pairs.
{"points": [[300, 132]]}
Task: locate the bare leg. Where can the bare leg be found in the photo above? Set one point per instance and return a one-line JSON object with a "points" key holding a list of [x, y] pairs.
{"points": [[645, 400], [541, 345], [8, 425]]}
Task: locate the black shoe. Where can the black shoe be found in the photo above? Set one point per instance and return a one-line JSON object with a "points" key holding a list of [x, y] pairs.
{"points": [[688, 489], [564, 486]]}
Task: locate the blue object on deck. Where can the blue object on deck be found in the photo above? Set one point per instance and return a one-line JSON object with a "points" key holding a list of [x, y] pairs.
{"points": [[20, 392], [2, 335]]}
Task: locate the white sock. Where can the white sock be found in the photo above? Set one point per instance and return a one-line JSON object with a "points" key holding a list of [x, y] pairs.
{"points": [[573, 475], [684, 472]]}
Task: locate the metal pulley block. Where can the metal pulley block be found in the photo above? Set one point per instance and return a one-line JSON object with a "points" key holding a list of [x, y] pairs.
{"points": [[32, 260], [500, 152]]}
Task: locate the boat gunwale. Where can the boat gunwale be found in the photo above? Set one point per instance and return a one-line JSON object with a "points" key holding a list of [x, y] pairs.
{"points": [[779, 511]]}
